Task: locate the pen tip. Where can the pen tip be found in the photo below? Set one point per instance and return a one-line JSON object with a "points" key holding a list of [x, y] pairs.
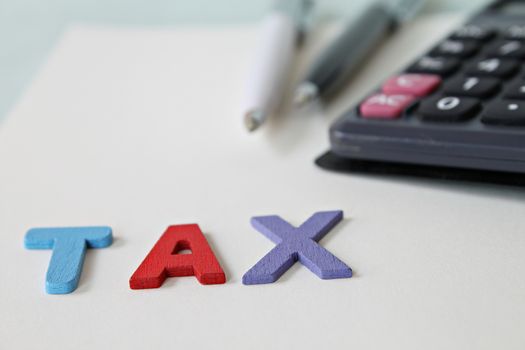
{"points": [[305, 93], [252, 120]]}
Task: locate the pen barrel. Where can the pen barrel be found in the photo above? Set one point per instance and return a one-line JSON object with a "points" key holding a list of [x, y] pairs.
{"points": [[267, 80], [343, 56]]}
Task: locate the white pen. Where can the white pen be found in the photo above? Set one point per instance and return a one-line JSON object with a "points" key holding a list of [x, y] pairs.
{"points": [[282, 31]]}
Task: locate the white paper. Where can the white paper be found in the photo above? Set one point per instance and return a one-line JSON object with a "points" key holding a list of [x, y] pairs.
{"points": [[139, 129]]}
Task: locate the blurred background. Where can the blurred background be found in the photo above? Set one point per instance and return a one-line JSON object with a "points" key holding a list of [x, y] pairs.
{"points": [[30, 28]]}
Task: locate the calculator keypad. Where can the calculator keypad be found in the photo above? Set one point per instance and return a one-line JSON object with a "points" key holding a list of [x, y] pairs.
{"points": [[448, 108], [473, 74], [472, 86], [473, 32], [507, 48], [435, 65], [455, 48], [503, 112], [412, 84], [385, 106], [515, 90], [495, 67], [515, 32]]}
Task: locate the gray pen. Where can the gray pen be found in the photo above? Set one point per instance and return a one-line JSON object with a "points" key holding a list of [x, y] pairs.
{"points": [[336, 65]]}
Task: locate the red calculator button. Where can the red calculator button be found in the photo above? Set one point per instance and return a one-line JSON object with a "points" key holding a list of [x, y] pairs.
{"points": [[412, 84], [385, 106]]}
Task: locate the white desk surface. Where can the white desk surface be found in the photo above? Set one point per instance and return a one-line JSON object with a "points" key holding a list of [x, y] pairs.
{"points": [[138, 129]]}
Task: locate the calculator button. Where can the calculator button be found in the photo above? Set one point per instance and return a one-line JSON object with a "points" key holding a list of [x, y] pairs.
{"points": [[472, 86], [504, 113], [497, 67], [473, 32], [516, 32], [456, 48], [412, 84], [385, 106], [434, 65], [515, 90], [448, 109], [509, 48]]}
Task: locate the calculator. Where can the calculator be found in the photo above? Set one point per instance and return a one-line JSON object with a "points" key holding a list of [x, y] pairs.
{"points": [[459, 106]]}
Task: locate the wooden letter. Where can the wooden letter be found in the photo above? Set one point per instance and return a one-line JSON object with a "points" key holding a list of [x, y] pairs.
{"points": [[297, 244], [164, 261], [69, 246]]}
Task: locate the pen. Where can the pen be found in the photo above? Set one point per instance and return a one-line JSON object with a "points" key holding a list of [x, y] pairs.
{"points": [[282, 32], [344, 55]]}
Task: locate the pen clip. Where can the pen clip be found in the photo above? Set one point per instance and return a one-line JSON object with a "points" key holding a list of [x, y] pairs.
{"points": [[405, 10], [300, 11], [305, 22]]}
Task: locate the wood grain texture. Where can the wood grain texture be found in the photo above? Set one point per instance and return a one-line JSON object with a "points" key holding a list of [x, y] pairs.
{"points": [[297, 244], [69, 246], [164, 261]]}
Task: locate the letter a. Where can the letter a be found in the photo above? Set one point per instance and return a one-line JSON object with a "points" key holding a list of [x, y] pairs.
{"points": [[164, 261]]}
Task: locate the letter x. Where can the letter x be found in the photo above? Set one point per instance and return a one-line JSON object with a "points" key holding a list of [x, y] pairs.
{"points": [[297, 244]]}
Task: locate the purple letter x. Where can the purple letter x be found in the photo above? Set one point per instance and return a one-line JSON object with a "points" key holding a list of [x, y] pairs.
{"points": [[296, 244]]}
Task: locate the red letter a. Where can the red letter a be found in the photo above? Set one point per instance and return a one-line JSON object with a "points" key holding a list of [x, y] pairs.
{"points": [[163, 260]]}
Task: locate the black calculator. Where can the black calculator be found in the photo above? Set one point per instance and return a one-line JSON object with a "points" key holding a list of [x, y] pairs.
{"points": [[459, 106]]}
